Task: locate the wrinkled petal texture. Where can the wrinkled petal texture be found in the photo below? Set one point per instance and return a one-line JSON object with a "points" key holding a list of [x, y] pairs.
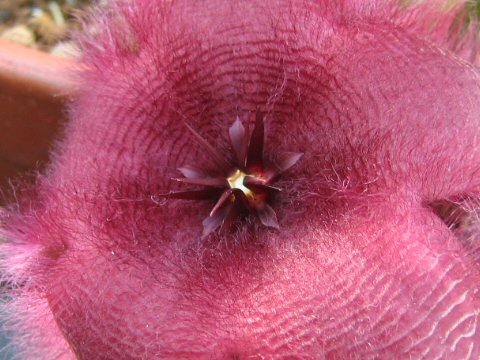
{"points": [[384, 103]]}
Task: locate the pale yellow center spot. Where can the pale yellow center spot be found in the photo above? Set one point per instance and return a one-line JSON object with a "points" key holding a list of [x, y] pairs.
{"points": [[236, 182]]}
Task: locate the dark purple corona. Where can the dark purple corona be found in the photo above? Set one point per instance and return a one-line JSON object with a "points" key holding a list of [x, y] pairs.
{"points": [[243, 184]]}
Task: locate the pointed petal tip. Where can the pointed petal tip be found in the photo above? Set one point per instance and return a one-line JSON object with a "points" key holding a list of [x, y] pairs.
{"points": [[212, 223], [206, 231], [289, 159], [268, 217], [239, 140], [209, 226], [276, 227], [213, 182], [191, 172]]}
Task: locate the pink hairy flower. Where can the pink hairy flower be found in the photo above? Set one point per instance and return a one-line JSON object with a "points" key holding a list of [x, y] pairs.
{"points": [[365, 247]]}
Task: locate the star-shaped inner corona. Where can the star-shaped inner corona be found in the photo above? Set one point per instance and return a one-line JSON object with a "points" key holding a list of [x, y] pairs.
{"points": [[242, 184]]}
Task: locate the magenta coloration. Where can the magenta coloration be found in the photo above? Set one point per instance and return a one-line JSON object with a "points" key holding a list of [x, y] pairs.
{"points": [[378, 252], [244, 183]]}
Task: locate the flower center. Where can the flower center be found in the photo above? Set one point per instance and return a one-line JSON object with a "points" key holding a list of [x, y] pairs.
{"points": [[236, 182], [256, 190]]}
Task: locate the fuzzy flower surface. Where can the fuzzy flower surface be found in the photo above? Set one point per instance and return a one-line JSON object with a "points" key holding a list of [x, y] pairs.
{"points": [[377, 252]]}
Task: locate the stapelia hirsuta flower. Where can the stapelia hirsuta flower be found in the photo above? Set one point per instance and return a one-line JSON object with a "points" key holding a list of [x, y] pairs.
{"points": [[242, 184]]}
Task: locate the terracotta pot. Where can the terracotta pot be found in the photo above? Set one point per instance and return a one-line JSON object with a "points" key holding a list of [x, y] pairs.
{"points": [[34, 91]]}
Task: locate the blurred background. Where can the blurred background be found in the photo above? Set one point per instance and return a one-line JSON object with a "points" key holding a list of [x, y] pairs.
{"points": [[40, 24], [36, 53]]}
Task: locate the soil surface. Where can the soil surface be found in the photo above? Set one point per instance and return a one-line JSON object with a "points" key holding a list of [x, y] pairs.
{"points": [[41, 24]]}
